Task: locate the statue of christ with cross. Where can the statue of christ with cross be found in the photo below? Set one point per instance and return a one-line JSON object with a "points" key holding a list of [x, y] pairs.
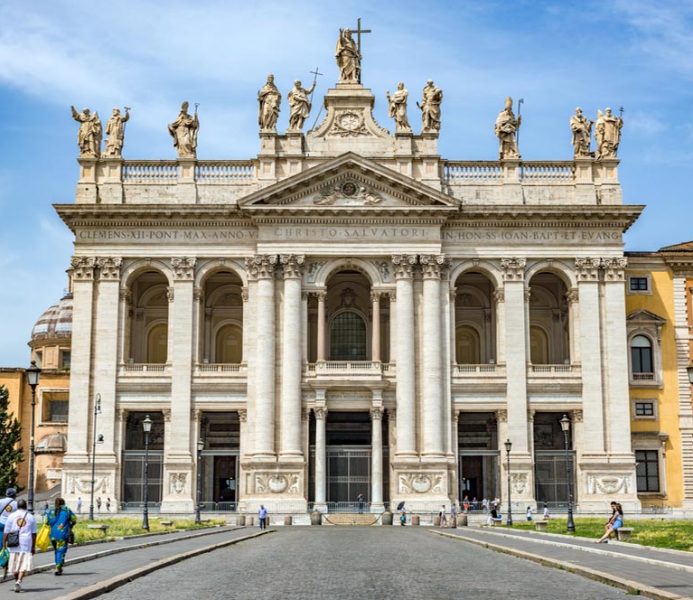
{"points": [[348, 54]]}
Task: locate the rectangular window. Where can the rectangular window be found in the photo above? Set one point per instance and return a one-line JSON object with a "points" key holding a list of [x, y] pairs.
{"points": [[65, 356], [644, 409], [58, 411], [638, 284], [647, 470]]}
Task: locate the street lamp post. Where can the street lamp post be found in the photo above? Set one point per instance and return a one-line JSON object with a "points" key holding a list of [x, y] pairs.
{"points": [[97, 411], [33, 374], [565, 426], [147, 428], [200, 448], [509, 519]]}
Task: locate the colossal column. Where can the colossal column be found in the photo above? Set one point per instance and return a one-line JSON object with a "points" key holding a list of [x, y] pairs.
{"points": [[291, 358], [404, 353], [432, 383], [262, 268]]}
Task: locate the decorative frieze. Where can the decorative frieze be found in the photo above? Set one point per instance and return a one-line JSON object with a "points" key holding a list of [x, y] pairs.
{"points": [[183, 268], [587, 269], [261, 266], [293, 265], [83, 268], [109, 267], [513, 268], [403, 265]]}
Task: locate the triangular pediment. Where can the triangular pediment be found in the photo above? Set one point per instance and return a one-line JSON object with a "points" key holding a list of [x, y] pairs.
{"points": [[683, 247], [645, 316], [348, 182]]}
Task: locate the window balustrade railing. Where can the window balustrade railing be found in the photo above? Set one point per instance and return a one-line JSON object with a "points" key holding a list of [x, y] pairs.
{"points": [[561, 368], [221, 368], [643, 376], [480, 368], [145, 367]]}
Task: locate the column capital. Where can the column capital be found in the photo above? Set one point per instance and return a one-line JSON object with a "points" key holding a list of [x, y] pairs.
{"points": [[376, 413], [293, 265], [572, 295], [83, 268], [577, 415], [183, 268], [169, 293], [198, 292], [433, 266], [498, 295], [375, 296], [502, 415], [305, 414], [244, 293], [109, 267], [392, 295], [125, 294], [261, 266], [587, 269], [320, 295], [320, 412], [243, 415], [528, 294], [614, 268], [403, 265], [513, 268], [167, 415]]}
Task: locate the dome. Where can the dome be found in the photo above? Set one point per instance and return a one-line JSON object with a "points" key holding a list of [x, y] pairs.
{"points": [[56, 322]]}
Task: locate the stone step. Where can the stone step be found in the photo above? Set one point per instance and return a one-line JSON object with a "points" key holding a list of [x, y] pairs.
{"points": [[351, 519]]}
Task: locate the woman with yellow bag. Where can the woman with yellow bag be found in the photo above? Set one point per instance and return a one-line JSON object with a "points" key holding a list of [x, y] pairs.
{"points": [[43, 538], [61, 520]]}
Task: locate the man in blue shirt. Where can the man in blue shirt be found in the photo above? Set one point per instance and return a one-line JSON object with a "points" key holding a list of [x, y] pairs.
{"points": [[262, 515]]}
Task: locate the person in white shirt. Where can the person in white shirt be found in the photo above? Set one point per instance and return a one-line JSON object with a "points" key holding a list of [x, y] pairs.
{"points": [[546, 511], [7, 506], [22, 522]]}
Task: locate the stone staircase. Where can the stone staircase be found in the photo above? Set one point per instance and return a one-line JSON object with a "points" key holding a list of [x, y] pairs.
{"points": [[351, 519]]}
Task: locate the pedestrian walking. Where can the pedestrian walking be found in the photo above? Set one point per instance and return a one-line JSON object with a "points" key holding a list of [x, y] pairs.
{"points": [[443, 518], [19, 537], [546, 512], [453, 514], [614, 523], [7, 506], [262, 516], [61, 520], [108, 505], [529, 513], [98, 504], [79, 505], [360, 501]]}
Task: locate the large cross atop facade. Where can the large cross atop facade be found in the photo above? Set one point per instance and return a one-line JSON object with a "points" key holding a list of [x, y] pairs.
{"points": [[358, 31]]}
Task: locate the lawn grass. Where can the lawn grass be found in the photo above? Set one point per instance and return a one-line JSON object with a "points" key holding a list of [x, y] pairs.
{"points": [[128, 526], [661, 533]]}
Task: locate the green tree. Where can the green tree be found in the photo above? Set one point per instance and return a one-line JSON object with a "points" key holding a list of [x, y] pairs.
{"points": [[11, 453]]}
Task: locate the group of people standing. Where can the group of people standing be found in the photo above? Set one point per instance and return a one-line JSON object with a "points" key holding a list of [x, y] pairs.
{"points": [[19, 529]]}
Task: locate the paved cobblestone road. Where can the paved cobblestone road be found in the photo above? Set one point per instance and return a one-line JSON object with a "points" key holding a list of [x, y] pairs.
{"points": [[366, 563]]}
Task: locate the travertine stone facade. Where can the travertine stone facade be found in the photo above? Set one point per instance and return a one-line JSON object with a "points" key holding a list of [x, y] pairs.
{"points": [[482, 288]]}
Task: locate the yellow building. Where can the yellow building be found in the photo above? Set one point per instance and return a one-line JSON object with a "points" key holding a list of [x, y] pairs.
{"points": [[660, 408], [50, 347]]}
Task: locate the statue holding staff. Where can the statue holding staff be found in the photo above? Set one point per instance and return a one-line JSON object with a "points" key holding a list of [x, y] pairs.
{"points": [[90, 132], [608, 133], [184, 132], [270, 99], [348, 58], [581, 128], [506, 129], [299, 104], [432, 97], [115, 129], [397, 103]]}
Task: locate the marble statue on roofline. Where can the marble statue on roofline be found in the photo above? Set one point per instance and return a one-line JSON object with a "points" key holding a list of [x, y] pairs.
{"points": [[506, 128], [581, 128], [397, 104], [348, 58], [184, 132], [431, 99], [608, 133], [115, 129], [269, 99], [90, 132], [299, 104]]}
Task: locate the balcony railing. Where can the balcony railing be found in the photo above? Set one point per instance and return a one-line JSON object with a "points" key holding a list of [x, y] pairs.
{"points": [[479, 369], [348, 367], [643, 376], [221, 369], [145, 367], [553, 368]]}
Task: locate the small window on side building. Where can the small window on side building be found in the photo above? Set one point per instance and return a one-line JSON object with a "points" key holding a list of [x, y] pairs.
{"points": [[644, 409], [638, 284]]}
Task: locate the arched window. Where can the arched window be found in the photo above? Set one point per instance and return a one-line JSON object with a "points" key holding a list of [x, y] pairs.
{"points": [[641, 354], [157, 344], [348, 337], [468, 346], [229, 345], [539, 346]]}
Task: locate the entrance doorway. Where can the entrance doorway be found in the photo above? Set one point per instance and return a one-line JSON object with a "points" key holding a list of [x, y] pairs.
{"points": [[221, 435], [478, 456]]}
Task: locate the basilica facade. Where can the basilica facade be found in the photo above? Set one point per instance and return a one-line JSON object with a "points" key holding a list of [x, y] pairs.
{"points": [[349, 314]]}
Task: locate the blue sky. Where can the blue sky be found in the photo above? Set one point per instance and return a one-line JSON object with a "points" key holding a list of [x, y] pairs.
{"points": [[152, 55]]}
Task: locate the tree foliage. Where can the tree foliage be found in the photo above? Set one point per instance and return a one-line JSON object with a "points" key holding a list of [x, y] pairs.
{"points": [[11, 453]]}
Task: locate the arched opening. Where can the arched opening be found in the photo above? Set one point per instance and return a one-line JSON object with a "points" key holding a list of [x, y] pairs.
{"points": [[148, 327], [641, 355], [221, 319], [549, 322], [475, 319]]}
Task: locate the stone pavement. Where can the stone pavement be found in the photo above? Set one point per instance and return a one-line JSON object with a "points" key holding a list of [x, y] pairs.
{"points": [[43, 586], [376, 563], [670, 572]]}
